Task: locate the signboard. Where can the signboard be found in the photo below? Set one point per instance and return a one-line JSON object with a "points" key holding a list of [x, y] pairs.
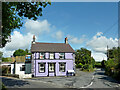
{"points": [[28, 57]]}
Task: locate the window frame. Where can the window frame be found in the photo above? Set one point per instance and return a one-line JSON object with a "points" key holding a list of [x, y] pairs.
{"points": [[60, 66], [52, 67], [42, 55], [22, 68], [42, 67], [62, 55], [53, 55]]}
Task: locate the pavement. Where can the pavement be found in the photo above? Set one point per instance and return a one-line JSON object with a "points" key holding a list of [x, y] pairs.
{"points": [[96, 79]]}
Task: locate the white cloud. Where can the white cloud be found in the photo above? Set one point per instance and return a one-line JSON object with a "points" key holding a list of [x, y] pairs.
{"points": [[58, 35], [99, 43], [37, 27], [99, 56], [76, 40], [17, 41]]}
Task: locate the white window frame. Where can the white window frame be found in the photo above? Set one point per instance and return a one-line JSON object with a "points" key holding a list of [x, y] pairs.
{"points": [[42, 55], [63, 56], [51, 55], [51, 67], [41, 69], [62, 67]]}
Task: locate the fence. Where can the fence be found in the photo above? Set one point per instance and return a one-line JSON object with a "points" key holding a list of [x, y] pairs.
{"points": [[18, 59]]}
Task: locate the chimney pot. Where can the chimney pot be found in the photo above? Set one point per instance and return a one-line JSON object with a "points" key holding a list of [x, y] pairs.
{"points": [[66, 40]]}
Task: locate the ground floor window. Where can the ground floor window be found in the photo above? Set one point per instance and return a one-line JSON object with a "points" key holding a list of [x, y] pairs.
{"points": [[51, 67], [41, 67], [22, 68], [62, 67]]}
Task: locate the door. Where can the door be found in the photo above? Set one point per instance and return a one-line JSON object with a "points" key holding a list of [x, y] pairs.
{"points": [[51, 69]]}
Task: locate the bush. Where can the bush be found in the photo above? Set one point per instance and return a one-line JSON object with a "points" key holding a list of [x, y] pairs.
{"points": [[5, 70], [80, 65]]}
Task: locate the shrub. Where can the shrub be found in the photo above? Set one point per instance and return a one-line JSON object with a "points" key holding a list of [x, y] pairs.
{"points": [[80, 65]]}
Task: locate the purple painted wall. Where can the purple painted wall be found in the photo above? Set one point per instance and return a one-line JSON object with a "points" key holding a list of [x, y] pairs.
{"points": [[56, 55], [46, 55], [69, 60], [69, 66]]}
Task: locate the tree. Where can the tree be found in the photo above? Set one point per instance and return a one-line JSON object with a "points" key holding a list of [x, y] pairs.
{"points": [[19, 52], [13, 13], [83, 59]]}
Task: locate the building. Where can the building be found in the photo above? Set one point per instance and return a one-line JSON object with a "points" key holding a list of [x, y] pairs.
{"points": [[21, 65], [51, 59]]}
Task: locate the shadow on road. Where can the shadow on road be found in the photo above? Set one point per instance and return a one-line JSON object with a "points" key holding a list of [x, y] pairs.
{"points": [[13, 82], [110, 79], [106, 78]]}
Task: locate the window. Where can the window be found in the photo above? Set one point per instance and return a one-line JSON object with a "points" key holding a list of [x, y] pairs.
{"points": [[22, 68], [61, 55], [51, 67], [41, 67], [51, 55], [62, 67], [42, 55]]}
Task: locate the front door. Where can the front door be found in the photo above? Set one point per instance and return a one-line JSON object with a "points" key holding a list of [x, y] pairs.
{"points": [[51, 69]]}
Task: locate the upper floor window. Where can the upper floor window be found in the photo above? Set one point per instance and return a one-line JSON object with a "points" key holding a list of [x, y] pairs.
{"points": [[51, 55], [61, 55], [42, 55]]}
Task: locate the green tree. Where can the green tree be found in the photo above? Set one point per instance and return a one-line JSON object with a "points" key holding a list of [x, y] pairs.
{"points": [[112, 65], [14, 12], [19, 52], [83, 59]]}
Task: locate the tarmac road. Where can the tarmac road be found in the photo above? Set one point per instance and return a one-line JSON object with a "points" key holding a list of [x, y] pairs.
{"points": [[96, 79]]}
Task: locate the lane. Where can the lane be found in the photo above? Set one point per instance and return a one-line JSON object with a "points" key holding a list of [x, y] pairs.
{"points": [[16, 83], [103, 81], [95, 79]]}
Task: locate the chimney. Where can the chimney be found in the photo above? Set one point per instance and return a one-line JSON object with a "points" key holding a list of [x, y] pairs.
{"points": [[66, 40], [33, 39]]}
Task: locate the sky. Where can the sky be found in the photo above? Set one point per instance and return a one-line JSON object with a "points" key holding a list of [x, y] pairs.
{"points": [[91, 25]]}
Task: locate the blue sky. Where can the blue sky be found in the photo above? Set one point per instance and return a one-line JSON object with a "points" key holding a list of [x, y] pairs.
{"points": [[82, 23]]}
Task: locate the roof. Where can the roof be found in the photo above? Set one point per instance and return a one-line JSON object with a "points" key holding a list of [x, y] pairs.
{"points": [[51, 47]]}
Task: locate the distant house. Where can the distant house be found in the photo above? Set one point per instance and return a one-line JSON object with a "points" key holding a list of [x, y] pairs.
{"points": [[21, 65], [52, 59]]}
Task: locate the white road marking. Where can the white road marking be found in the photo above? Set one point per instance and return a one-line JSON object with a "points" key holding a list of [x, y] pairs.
{"points": [[91, 83]]}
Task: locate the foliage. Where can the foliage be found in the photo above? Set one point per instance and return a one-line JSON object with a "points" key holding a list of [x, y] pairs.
{"points": [[8, 59], [103, 63], [14, 12], [98, 64], [1, 53], [5, 70], [20, 52], [5, 59], [84, 60], [112, 65]]}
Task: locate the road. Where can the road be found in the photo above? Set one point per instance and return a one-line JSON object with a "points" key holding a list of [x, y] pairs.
{"points": [[82, 79], [17, 83]]}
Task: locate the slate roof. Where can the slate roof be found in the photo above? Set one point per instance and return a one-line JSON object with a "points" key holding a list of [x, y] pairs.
{"points": [[51, 47]]}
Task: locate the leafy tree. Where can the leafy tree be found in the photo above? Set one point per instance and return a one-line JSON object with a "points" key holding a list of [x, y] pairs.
{"points": [[83, 59], [14, 12], [5, 59], [103, 63], [112, 65], [19, 52]]}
